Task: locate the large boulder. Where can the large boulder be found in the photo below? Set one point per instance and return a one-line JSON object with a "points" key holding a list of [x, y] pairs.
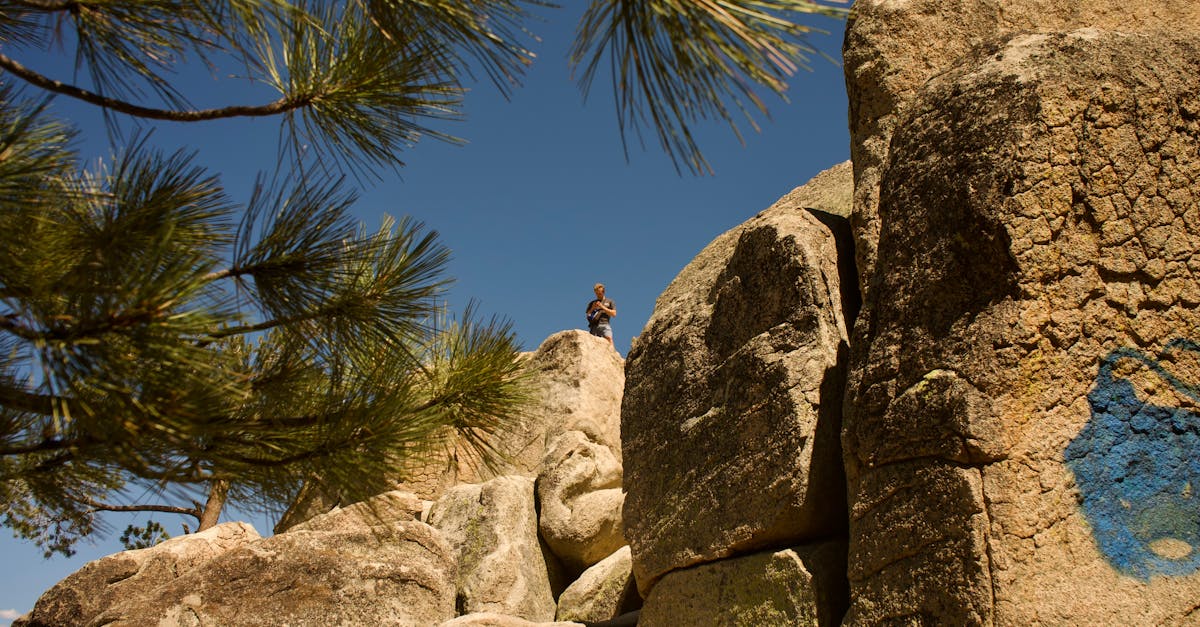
{"points": [[732, 407], [397, 574], [501, 566], [892, 47], [494, 619], [377, 569], [799, 586], [108, 581], [603, 592], [580, 497], [380, 509], [577, 382], [1022, 416]]}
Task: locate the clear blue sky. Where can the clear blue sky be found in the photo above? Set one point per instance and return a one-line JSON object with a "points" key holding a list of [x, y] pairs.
{"points": [[537, 207]]}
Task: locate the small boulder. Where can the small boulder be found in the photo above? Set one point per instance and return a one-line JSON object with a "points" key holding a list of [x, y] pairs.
{"points": [[492, 619], [603, 592], [89, 591], [579, 489], [493, 529], [797, 586]]}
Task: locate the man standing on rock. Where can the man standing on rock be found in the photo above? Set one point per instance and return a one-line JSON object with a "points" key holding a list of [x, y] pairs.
{"points": [[599, 312]]}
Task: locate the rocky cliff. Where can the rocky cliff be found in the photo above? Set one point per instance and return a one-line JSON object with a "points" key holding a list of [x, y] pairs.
{"points": [[731, 419], [1021, 426], [1020, 394], [954, 383], [543, 540]]}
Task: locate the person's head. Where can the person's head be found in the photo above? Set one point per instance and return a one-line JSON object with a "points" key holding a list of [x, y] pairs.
{"points": [[599, 290]]}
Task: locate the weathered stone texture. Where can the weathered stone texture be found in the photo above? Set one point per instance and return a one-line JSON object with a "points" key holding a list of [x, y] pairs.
{"points": [[798, 586], [1036, 217], [493, 619], [382, 509], [893, 47], [397, 574], [580, 381], [732, 409], [577, 383], [580, 499], [88, 592], [493, 529], [603, 592]]}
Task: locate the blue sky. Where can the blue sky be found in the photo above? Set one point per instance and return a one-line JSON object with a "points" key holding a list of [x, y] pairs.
{"points": [[537, 207]]}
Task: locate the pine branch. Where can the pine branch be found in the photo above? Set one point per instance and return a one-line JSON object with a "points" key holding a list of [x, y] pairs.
{"points": [[194, 512], [24, 401], [265, 325], [283, 105], [113, 322], [45, 445], [9, 323], [318, 452], [48, 5], [678, 62]]}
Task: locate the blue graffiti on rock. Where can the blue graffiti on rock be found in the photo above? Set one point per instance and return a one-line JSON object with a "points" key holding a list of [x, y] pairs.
{"points": [[1137, 465]]}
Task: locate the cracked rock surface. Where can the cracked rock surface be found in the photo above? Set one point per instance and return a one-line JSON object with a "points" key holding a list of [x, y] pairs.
{"points": [[1035, 214], [392, 571], [732, 404], [892, 47]]}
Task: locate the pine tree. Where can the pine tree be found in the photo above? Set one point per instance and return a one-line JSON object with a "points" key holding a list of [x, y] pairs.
{"points": [[157, 335]]}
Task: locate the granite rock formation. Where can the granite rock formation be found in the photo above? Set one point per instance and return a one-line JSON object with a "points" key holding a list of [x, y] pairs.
{"points": [[732, 408], [1021, 419], [892, 47], [580, 496], [603, 592], [494, 531], [92, 590], [378, 562], [992, 418]]}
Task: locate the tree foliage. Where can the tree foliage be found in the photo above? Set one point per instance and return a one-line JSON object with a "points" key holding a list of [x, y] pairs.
{"points": [[158, 336], [674, 63]]}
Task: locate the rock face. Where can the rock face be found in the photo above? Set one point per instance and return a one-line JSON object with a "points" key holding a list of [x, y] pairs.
{"points": [[494, 531], [731, 415], [801, 586], [578, 381], [1022, 417], [93, 589], [603, 592], [893, 47], [579, 490], [378, 563], [346, 567]]}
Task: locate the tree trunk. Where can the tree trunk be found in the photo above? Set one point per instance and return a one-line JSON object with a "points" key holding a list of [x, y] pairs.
{"points": [[216, 502]]}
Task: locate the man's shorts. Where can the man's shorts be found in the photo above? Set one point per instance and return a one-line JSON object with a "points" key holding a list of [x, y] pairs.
{"points": [[601, 330]]}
